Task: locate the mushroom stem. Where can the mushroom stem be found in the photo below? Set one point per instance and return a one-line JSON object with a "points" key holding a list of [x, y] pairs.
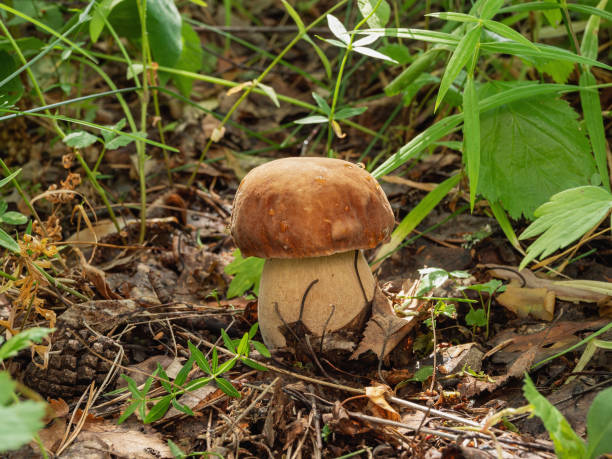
{"points": [[325, 293]]}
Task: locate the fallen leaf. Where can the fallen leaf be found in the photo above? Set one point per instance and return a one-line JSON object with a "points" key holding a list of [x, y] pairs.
{"points": [[538, 303], [378, 403]]}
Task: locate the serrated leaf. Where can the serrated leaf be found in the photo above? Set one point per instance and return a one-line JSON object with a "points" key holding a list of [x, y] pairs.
{"points": [[381, 15], [246, 272], [108, 135], [567, 443], [599, 427], [373, 53], [313, 119], [465, 50], [227, 387], [118, 142], [338, 29], [80, 139], [565, 218], [531, 150], [471, 136], [19, 423], [14, 218]]}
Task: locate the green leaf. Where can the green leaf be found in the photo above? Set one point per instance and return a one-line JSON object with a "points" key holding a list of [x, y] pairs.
{"points": [[199, 358], [416, 215], [214, 363], [471, 136], [373, 53], [7, 388], [243, 345], [247, 274], [270, 92], [531, 150], [567, 443], [261, 348], [381, 15], [476, 317], [566, 217], [14, 218], [348, 112], [451, 16], [19, 423], [109, 135], [507, 32], [321, 54], [12, 90], [490, 287], [599, 427], [128, 411], [422, 374], [191, 59], [182, 408], [164, 380], [163, 27], [174, 449], [227, 387], [23, 340], [504, 222], [466, 48], [119, 142], [229, 344], [593, 119], [253, 330], [6, 180], [490, 8], [8, 242], [295, 16], [181, 377], [313, 119], [100, 12], [80, 139], [322, 103], [158, 410], [254, 365]]}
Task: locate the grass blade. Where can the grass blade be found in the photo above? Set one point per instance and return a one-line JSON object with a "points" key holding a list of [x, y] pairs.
{"points": [[504, 222], [471, 136], [464, 51]]}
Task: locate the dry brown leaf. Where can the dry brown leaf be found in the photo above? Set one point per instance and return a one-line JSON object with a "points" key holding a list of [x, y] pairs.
{"points": [[538, 303], [385, 329], [97, 277], [378, 403]]}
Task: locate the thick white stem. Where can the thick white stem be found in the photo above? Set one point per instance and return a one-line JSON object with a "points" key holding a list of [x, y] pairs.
{"points": [[331, 303]]}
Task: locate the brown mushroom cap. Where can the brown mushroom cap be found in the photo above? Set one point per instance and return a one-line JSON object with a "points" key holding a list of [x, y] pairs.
{"points": [[309, 207]]}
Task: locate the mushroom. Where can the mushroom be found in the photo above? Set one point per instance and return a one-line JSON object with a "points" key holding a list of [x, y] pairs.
{"points": [[309, 217]]}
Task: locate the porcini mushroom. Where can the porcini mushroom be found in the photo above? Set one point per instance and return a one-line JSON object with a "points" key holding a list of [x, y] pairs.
{"points": [[310, 218]]}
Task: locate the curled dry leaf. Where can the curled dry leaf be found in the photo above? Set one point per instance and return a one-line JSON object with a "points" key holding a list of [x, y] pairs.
{"points": [[378, 403]]}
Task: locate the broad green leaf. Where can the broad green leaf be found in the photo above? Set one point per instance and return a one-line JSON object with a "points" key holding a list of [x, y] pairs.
{"points": [[253, 330], [19, 423], [507, 32], [22, 340], [109, 135], [191, 59], [119, 142], [599, 427], [6, 180], [295, 16], [99, 14], [381, 15], [338, 29], [80, 139], [567, 443], [476, 317], [416, 216], [227, 387], [566, 217], [313, 119], [226, 366], [7, 388], [14, 218], [466, 48], [246, 272], [348, 112], [12, 90], [158, 410], [471, 136], [243, 345], [163, 26], [531, 150]]}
